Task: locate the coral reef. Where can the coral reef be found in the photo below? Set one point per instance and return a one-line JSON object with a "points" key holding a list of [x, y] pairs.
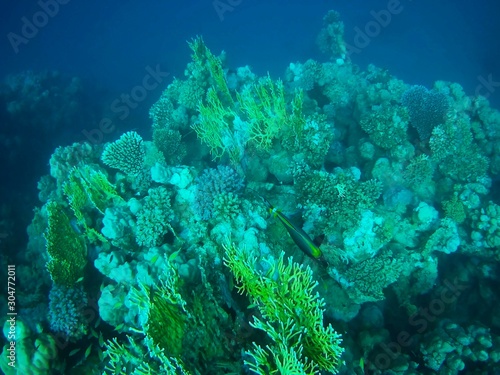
{"points": [[395, 184]]}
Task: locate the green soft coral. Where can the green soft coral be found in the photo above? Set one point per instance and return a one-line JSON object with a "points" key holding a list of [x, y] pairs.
{"points": [[89, 188], [204, 60], [129, 359], [215, 127], [66, 248], [292, 315]]}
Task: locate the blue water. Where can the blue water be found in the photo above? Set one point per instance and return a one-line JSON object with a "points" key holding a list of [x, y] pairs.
{"points": [[111, 45]]}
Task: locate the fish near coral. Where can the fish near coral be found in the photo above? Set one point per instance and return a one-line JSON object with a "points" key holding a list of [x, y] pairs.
{"points": [[301, 238]]}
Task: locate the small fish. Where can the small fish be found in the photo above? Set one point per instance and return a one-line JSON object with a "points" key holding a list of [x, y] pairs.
{"points": [[174, 255], [93, 333], [118, 304], [155, 258], [97, 322], [87, 352], [301, 238], [79, 280], [101, 340], [74, 351], [119, 327]]}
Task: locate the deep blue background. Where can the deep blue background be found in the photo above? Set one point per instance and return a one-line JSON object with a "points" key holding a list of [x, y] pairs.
{"points": [[110, 43]]}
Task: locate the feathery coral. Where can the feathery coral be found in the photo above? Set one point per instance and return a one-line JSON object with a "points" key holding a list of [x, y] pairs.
{"points": [[66, 248], [292, 311]]}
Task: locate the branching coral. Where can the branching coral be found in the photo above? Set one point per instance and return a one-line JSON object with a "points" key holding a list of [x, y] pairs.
{"points": [[129, 359], [386, 126], [153, 219], [419, 171], [292, 313], [454, 149], [126, 154], [168, 141], [366, 280], [339, 196], [215, 127]]}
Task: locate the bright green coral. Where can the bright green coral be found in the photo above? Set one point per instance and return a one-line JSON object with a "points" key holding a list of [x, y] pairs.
{"points": [[215, 126], [129, 359], [66, 248], [292, 313], [264, 106], [89, 188], [86, 185], [203, 58], [166, 317]]}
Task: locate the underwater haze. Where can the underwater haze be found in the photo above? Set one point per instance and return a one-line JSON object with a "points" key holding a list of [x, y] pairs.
{"points": [[250, 187]]}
